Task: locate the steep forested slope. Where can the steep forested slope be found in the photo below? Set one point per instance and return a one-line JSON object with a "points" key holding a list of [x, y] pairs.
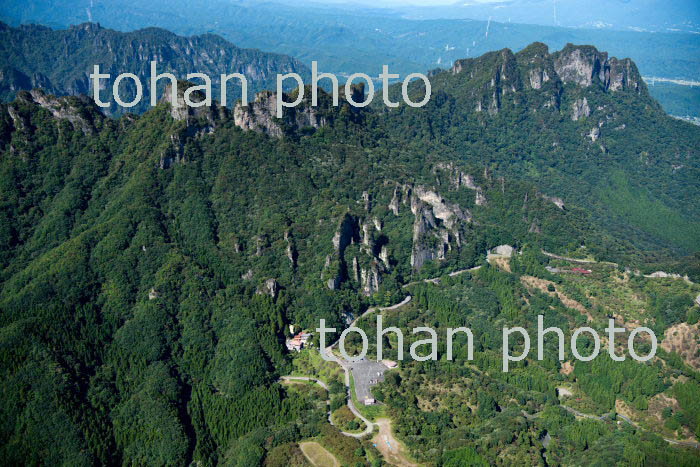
{"points": [[578, 123], [151, 265]]}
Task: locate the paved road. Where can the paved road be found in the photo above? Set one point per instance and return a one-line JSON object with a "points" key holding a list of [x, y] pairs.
{"points": [[436, 280], [369, 425], [584, 415], [368, 312], [573, 260]]}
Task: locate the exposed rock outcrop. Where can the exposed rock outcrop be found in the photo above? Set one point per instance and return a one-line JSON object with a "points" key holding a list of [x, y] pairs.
{"points": [[394, 203], [537, 77], [199, 121], [436, 226], [210, 115], [261, 114], [585, 66], [459, 179], [502, 250], [271, 287], [384, 255], [368, 262], [448, 213], [580, 109], [80, 111], [496, 79], [347, 233], [558, 202], [371, 278], [594, 134], [292, 254]]}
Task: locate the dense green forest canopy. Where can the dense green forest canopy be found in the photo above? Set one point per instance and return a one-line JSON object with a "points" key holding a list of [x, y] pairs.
{"points": [[150, 266]]}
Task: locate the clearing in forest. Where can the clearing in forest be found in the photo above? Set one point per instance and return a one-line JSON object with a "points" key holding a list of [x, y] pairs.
{"points": [[318, 455]]}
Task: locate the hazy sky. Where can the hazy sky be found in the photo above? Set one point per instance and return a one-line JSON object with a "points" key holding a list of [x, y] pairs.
{"points": [[417, 2], [428, 2], [409, 2]]}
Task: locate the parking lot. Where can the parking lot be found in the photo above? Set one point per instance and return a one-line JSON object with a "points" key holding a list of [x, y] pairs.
{"points": [[366, 373]]}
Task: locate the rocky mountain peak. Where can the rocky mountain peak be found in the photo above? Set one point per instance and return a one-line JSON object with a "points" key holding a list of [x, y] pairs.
{"points": [[584, 65], [180, 111], [80, 111]]}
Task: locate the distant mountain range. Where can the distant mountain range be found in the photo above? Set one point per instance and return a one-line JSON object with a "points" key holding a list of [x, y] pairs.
{"points": [[621, 15], [61, 61], [349, 38]]}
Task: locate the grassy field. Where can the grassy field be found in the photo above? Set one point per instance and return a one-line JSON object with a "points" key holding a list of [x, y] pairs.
{"points": [[309, 362], [317, 455]]}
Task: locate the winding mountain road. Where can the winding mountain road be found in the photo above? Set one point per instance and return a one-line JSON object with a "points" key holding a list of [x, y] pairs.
{"points": [[436, 280], [565, 258], [369, 426]]}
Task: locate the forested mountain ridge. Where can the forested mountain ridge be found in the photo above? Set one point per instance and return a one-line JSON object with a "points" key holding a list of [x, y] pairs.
{"points": [[60, 61], [576, 122], [331, 35], [135, 302], [151, 266]]}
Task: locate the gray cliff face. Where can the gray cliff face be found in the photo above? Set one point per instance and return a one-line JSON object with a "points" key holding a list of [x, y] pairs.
{"points": [[371, 278], [270, 287], [347, 233], [586, 66], [211, 115], [499, 78], [580, 109], [292, 253], [367, 262], [458, 178], [71, 109], [623, 75], [436, 226], [198, 121], [580, 65], [259, 115]]}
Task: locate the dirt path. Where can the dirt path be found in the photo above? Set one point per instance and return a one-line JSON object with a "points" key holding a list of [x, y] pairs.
{"points": [[393, 451], [317, 455]]}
